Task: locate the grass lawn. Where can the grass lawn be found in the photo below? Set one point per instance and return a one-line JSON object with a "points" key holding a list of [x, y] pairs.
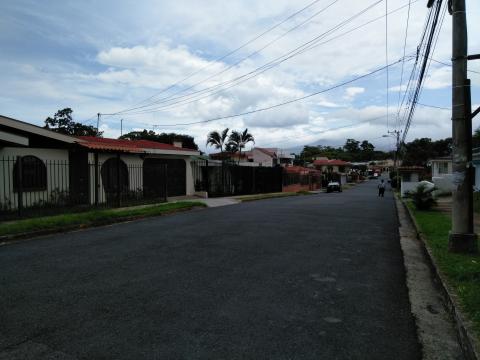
{"points": [[462, 271], [91, 218], [270, 195]]}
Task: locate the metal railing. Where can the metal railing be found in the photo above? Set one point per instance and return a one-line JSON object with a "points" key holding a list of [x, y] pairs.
{"points": [[30, 186]]}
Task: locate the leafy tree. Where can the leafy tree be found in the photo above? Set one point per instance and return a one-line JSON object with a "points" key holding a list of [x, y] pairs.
{"points": [[238, 140], [367, 151], [62, 122], [420, 151], [352, 146], [217, 139], [188, 142]]}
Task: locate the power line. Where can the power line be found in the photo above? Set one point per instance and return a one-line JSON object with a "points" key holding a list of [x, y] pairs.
{"points": [[238, 62], [185, 102], [423, 68], [289, 101], [450, 65], [404, 49], [433, 106], [413, 74], [328, 130], [273, 63], [386, 50]]}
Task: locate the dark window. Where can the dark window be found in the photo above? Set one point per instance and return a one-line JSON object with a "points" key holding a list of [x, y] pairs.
{"points": [[33, 174]]}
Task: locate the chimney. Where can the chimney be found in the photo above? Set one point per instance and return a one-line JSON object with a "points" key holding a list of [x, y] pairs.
{"points": [[178, 144]]}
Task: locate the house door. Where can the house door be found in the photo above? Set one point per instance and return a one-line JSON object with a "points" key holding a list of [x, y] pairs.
{"points": [[78, 168]]}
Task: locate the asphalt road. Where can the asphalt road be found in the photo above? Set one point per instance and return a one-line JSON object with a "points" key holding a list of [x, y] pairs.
{"points": [[310, 277]]}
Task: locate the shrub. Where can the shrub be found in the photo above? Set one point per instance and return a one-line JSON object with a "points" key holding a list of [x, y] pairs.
{"points": [[422, 197]]}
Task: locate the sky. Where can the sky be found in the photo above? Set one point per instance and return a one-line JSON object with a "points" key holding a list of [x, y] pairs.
{"points": [[159, 58]]}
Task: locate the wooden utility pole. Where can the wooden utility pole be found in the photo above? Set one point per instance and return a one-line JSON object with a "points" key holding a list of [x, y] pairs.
{"points": [[462, 237]]}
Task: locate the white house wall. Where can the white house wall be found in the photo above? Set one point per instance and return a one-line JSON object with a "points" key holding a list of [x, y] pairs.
{"points": [[57, 175], [261, 158], [134, 163]]}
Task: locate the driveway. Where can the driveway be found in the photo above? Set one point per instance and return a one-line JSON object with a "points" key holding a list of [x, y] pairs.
{"points": [[309, 277]]}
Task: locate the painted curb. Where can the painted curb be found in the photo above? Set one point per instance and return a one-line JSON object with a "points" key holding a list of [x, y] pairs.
{"points": [[464, 327]]}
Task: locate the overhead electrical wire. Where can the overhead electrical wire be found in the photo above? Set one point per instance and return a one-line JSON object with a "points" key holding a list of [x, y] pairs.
{"points": [[239, 61], [289, 101], [263, 68], [409, 89], [270, 29], [267, 66], [386, 53], [423, 70], [404, 49]]}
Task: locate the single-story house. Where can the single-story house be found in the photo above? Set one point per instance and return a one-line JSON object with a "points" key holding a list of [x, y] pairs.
{"points": [[257, 156], [41, 166], [409, 178], [442, 174]]}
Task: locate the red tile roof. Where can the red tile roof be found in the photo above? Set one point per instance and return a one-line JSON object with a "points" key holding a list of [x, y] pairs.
{"points": [[135, 146], [333, 162], [300, 169]]}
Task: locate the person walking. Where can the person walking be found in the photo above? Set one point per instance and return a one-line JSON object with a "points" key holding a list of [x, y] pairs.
{"points": [[381, 188]]}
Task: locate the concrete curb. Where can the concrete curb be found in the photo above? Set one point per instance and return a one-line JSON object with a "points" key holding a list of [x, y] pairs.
{"points": [[463, 326]]}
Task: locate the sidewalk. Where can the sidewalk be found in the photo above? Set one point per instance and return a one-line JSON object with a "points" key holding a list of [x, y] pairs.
{"points": [[210, 202]]}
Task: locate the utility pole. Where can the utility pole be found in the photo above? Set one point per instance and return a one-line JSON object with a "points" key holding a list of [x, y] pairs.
{"points": [[462, 237], [98, 121], [121, 127], [396, 133]]}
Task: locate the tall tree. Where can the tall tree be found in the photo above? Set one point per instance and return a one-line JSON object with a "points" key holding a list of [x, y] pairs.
{"points": [[238, 140], [188, 142], [352, 146], [367, 151], [217, 140], [62, 122]]}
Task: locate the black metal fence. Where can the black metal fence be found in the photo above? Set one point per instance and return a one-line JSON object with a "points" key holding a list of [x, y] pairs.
{"points": [[30, 186], [224, 179]]}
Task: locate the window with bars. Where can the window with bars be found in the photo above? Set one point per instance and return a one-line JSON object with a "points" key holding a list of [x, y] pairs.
{"points": [[33, 174]]}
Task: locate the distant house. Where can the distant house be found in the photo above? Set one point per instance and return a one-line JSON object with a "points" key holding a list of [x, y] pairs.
{"points": [[298, 178], [257, 156], [41, 166], [333, 169], [442, 174], [409, 178]]}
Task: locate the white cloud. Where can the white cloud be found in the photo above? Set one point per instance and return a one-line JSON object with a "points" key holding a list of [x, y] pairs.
{"points": [[111, 63], [352, 92]]}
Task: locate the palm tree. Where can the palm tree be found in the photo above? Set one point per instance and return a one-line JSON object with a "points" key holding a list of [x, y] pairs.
{"points": [[217, 139], [238, 140]]}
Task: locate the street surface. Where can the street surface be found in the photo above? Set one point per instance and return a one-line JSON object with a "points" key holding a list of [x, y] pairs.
{"points": [[308, 277]]}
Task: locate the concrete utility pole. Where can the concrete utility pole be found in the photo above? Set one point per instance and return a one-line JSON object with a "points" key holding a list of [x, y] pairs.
{"points": [[98, 121], [462, 237], [395, 133]]}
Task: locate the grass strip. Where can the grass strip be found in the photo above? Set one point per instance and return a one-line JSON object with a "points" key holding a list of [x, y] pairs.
{"points": [[91, 218], [462, 271]]}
